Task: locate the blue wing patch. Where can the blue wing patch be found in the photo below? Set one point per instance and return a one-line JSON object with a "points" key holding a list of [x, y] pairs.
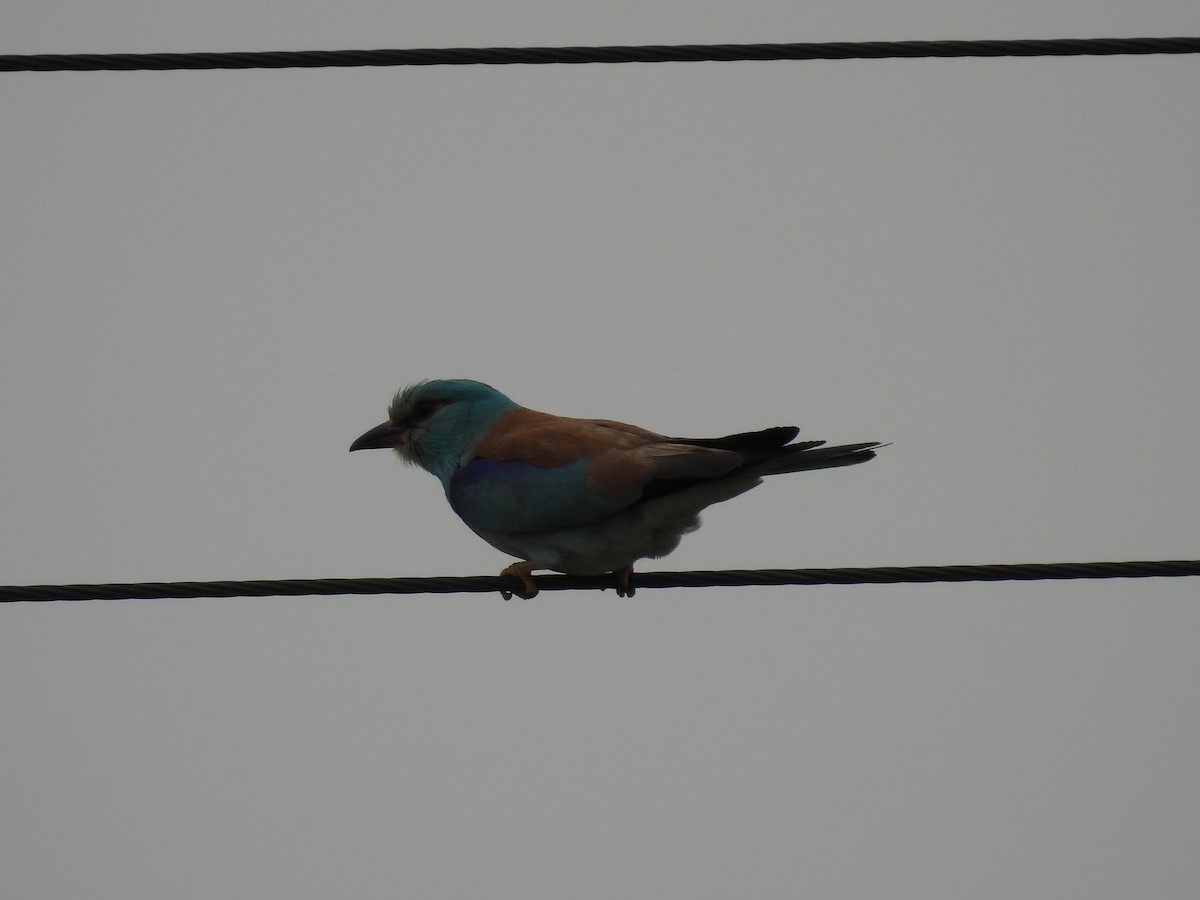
{"points": [[513, 496]]}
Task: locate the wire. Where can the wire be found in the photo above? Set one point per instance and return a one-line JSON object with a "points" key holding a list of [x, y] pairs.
{"points": [[297, 587], [499, 56], [577, 55]]}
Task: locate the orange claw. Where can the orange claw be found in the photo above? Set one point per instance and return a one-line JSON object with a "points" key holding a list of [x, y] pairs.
{"points": [[625, 586], [524, 572]]}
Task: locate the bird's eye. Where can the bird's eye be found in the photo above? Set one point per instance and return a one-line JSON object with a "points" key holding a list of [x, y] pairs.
{"points": [[426, 408]]}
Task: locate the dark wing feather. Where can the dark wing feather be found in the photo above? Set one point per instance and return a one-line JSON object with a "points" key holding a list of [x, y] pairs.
{"points": [[766, 452], [767, 439]]}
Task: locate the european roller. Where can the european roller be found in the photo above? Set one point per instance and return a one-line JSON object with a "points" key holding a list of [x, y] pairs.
{"points": [[580, 496]]}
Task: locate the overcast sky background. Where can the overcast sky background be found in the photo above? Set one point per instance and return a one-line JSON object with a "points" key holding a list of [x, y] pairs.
{"points": [[214, 281]]}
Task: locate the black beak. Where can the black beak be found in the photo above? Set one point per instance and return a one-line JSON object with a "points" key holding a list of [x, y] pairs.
{"points": [[381, 437]]}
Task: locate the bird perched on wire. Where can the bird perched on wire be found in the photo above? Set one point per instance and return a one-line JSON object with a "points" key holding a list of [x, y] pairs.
{"points": [[580, 496]]}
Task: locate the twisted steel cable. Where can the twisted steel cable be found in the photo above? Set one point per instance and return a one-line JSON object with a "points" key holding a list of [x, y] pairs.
{"points": [[578, 55], [297, 587], [500, 56]]}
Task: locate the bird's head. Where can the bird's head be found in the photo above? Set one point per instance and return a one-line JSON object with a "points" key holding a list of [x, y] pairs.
{"points": [[436, 424]]}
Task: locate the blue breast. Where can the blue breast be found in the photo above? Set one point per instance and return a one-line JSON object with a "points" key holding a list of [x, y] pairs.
{"points": [[513, 496]]}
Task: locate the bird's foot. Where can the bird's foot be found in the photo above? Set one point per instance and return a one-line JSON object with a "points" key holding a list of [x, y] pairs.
{"points": [[625, 586], [524, 572]]}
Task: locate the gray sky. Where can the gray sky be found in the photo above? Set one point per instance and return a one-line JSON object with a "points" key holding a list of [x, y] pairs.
{"points": [[214, 281]]}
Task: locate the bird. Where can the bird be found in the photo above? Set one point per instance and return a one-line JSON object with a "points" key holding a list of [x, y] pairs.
{"points": [[579, 496]]}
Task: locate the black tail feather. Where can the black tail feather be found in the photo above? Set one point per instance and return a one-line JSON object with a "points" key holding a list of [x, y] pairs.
{"points": [[800, 458], [767, 452]]}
